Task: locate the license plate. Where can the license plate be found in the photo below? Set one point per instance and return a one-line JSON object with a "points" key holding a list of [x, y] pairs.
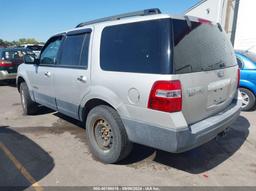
{"points": [[218, 92], [217, 96]]}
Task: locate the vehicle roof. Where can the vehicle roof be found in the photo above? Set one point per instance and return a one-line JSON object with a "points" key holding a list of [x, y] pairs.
{"points": [[130, 20]]}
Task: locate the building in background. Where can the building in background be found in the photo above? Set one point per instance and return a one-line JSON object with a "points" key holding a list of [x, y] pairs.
{"points": [[236, 17]]}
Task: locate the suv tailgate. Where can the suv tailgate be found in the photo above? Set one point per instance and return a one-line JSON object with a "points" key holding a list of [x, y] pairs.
{"points": [[205, 63]]}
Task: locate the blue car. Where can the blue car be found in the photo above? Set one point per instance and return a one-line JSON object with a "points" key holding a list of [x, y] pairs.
{"points": [[247, 64]]}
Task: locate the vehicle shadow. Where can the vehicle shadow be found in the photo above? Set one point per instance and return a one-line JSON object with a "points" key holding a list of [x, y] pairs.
{"points": [[22, 161], [253, 109], [200, 159], [73, 121], [196, 161], [42, 110], [11, 83]]}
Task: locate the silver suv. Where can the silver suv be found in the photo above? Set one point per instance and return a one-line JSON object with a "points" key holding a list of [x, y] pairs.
{"points": [[145, 77]]}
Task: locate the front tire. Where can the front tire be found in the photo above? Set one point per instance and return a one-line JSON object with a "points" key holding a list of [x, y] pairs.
{"points": [[106, 135], [29, 107], [248, 99]]}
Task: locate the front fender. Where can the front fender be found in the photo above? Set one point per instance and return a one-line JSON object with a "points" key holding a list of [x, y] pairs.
{"points": [[21, 73]]}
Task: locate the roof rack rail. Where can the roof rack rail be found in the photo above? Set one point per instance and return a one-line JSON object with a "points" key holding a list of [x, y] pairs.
{"points": [[145, 12]]}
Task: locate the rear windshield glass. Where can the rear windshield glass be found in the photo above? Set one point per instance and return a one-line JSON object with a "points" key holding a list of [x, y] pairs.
{"points": [[200, 47], [15, 54], [142, 47], [35, 47]]}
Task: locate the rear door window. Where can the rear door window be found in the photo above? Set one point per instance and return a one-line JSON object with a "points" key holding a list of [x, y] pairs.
{"points": [[200, 47], [85, 51], [74, 48]]}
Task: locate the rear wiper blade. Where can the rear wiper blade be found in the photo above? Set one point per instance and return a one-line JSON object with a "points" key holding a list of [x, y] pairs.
{"points": [[220, 64], [183, 67]]}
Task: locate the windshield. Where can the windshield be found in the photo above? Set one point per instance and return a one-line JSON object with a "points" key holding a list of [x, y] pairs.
{"points": [[250, 55], [200, 47], [35, 47]]}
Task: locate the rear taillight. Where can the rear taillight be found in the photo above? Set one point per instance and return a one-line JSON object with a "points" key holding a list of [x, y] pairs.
{"points": [[166, 96], [5, 63], [238, 78]]}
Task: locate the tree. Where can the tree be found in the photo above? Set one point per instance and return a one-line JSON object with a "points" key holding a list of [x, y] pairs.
{"points": [[19, 42], [4, 43]]}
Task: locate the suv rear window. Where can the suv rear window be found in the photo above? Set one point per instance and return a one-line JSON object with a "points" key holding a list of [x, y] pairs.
{"points": [[165, 46], [142, 47], [201, 47]]}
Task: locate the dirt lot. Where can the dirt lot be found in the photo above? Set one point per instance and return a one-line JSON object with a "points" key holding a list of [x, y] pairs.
{"points": [[50, 149]]}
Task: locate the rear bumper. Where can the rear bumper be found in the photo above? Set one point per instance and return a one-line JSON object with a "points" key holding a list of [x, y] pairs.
{"points": [[4, 75], [177, 141]]}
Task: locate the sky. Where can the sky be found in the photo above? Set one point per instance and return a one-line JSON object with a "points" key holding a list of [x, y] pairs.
{"points": [[40, 19]]}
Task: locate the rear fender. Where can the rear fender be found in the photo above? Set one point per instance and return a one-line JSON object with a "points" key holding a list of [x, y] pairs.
{"points": [[106, 95], [249, 85]]}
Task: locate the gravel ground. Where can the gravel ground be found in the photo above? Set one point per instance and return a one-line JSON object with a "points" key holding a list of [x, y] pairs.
{"points": [[53, 150]]}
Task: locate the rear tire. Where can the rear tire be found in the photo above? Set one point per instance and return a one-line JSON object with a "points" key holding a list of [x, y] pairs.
{"points": [[29, 107], [248, 99], [106, 135]]}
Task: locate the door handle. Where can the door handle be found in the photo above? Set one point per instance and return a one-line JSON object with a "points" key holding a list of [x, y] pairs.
{"points": [[47, 74], [82, 78]]}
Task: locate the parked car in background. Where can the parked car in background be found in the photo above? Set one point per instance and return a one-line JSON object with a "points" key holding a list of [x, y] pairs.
{"points": [[36, 48], [167, 82], [10, 59], [247, 64]]}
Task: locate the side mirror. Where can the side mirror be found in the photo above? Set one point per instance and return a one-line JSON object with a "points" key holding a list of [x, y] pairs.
{"points": [[29, 59]]}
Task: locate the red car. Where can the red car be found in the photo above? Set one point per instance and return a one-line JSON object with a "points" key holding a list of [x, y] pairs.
{"points": [[10, 59]]}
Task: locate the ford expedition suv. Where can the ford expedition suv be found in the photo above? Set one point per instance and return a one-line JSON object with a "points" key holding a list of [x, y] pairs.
{"points": [[167, 82]]}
